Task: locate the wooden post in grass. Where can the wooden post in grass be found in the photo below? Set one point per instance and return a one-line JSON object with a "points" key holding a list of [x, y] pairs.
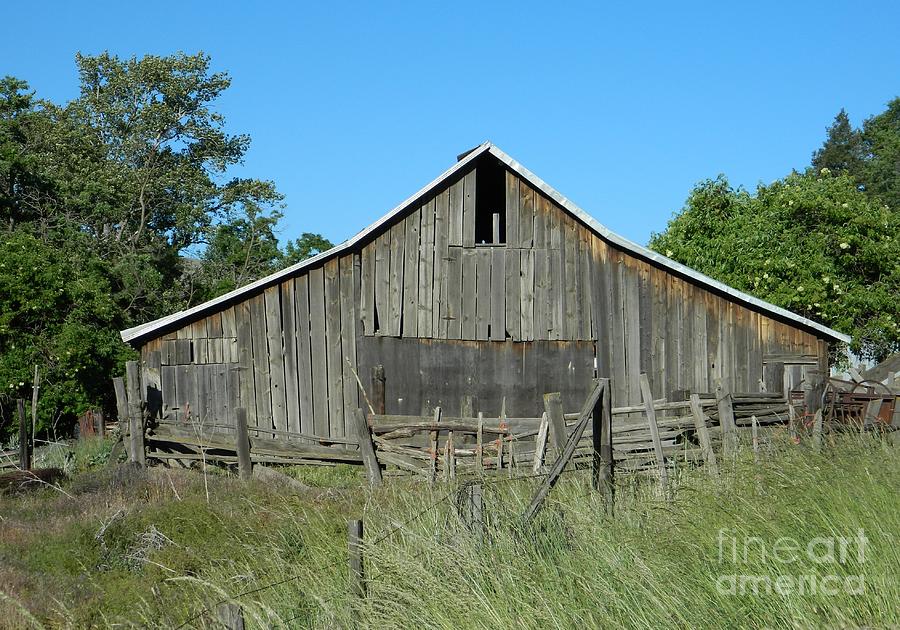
{"points": [[354, 546], [479, 444], [709, 456], [230, 616], [568, 450], [367, 448], [817, 430], [469, 507], [24, 451], [754, 432], [726, 421], [136, 422], [540, 443], [434, 445], [35, 388], [378, 397], [602, 445], [654, 434], [242, 444]]}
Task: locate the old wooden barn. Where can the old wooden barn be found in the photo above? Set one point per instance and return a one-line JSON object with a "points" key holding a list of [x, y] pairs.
{"points": [[486, 282]]}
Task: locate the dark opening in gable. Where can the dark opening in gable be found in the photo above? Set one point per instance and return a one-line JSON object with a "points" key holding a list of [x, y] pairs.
{"points": [[490, 200]]}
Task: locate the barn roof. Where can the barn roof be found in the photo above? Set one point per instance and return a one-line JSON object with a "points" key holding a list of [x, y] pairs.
{"points": [[148, 329]]}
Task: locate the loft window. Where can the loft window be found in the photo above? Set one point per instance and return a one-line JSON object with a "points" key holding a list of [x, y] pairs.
{"points": [[490, 202]]}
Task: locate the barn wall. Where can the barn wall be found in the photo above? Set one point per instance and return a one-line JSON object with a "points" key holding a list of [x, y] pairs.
{"points": [[447, 316]]}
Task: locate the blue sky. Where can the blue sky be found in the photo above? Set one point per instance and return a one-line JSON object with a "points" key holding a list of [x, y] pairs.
{"points": [[622, 108]]}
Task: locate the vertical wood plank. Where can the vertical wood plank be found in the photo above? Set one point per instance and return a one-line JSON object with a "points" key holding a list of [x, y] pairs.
{"points": [[426, 270], [348, 340], [382, 315], [304, 357], [453, 303], [411, 274], [699, 418], [318, 351], [526, 295], [498, 294], [468, 235], [469, 288], [441, 246], [334, 356], [483, 297], [527, 206], [398, 240], [367, 289], [291, 377], [542, 301], [261, 361], [276, 356], [455, 223], [512, 209]]}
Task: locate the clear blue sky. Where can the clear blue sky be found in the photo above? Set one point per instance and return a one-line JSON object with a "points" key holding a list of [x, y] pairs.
{"points": [[352, 107]]}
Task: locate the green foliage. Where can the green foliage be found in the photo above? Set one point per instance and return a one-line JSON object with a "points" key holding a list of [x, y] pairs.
{"points": [[102, 199], [811, 243], [870, 155], [306, 246]]}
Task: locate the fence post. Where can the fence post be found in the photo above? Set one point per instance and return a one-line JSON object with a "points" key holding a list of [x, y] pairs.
{"points": [[378, 397], [540, 443], [554, 409], [434, 445], [367, 448], [470, 509], [754, 432], [479, 444], [709, 456], [726, 421], [24, 451], [654, 434], [136, 422], [35, 388], [354, 546], [602, 443], [230, 616], [817, 430], [242, 444]]}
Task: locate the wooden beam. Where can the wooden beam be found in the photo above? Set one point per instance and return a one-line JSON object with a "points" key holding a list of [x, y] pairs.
{"points": [[137, 452], [354, 547], [242, 444], [24, 451], [699, 418], [654, 433], [568, 450], [726, 420], [378, 395], [601, 438], [541, 443], [367, 448], [554, 410]]}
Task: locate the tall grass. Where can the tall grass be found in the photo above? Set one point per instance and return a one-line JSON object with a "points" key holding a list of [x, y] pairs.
{"points": [[147, 549], [654, 564]]}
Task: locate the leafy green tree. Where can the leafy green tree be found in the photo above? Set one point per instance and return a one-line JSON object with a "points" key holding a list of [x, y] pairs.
{"points": [[880, 172], [306, 246], [811, 242], [105, 203]]}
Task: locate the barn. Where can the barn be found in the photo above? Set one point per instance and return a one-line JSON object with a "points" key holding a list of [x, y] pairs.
{"points": [[486, 283]]}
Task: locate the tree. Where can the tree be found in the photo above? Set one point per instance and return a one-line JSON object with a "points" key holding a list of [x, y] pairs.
{"points": [[307, 246], [811, 242], [880, 172], [843, 148], [871, 155], [105, 204]]}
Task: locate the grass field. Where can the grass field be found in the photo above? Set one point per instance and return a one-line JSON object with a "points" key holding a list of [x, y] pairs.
{"points": [[801, 539]]}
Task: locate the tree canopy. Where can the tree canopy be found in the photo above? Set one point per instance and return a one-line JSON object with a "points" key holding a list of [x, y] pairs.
{"points": [[119, 207], [822, 243]]}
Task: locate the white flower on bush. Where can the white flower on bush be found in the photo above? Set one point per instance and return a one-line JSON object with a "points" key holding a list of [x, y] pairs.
{"points": [[844, 245]]}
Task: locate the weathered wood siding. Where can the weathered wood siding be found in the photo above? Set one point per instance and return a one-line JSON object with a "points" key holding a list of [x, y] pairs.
{"points": [[293, 354]]}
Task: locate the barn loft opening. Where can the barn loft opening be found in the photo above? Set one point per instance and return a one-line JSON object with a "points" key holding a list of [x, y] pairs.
{"points": [[490, 201]]}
